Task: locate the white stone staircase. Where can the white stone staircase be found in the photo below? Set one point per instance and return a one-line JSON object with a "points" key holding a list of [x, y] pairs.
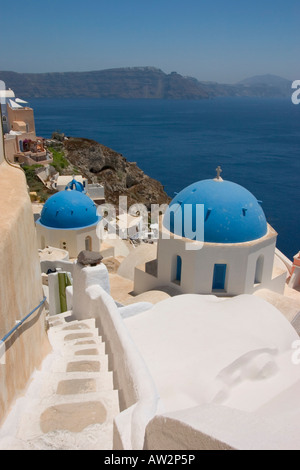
{"points": [[70, 403]]}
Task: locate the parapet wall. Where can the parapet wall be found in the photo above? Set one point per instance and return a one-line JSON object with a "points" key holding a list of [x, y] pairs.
{"points": [[20, 287], [137, 393]]}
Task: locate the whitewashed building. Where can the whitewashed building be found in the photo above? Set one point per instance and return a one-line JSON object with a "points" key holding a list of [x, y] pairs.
{"points": [[69, 221]]}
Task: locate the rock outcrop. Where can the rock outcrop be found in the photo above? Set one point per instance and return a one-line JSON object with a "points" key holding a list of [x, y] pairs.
{"points": [[119, 176]]}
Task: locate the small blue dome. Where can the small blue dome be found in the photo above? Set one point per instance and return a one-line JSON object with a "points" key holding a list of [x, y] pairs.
{"points": [[69, 210], [231, 213], [75, 185]]}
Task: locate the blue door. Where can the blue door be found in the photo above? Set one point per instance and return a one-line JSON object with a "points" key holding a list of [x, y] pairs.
{"points": [[219, 277]]}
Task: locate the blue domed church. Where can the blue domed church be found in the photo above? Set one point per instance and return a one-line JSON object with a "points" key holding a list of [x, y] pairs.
{"points": [[214, 239], [69, 221]]}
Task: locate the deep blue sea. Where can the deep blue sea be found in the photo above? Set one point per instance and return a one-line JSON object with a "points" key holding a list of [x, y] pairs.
{"points": [[256, 142]]}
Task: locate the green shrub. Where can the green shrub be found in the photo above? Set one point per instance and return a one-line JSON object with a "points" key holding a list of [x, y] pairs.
{"points": [[35, 184], [59, 160]]}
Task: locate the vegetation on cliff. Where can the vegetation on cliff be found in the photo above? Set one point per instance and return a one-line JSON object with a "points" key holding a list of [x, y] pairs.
{"points": [[102, 165], [35, 184], [60, 163], [119, 176]]}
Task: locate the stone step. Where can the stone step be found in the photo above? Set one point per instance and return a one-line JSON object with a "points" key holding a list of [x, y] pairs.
{"points": [[80, 363], [70, 402], [82, 347], [76, 383], [66, 339], [59, 319], [74, 328], [69, 414], [73, 335], [67, 320]]}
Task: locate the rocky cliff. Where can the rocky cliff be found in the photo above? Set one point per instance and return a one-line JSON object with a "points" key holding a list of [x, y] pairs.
{"points": [[119, 176], [136, 83], [125, 83]]}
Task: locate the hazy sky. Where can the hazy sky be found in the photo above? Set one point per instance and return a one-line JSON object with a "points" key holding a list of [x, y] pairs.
{"points": [[219, 40]]}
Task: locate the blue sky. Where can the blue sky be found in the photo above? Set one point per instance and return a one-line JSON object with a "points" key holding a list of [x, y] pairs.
{"points": [[218, 40]]}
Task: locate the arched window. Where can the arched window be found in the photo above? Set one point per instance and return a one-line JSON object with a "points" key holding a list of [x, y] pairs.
{"points": [[88, 243], [5, 124], [259, 270]]}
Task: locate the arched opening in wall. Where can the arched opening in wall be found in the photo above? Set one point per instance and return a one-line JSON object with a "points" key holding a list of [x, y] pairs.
{"points": [[43, 242], [259, 270], [5, 125], [88, 243], [177, 270]]}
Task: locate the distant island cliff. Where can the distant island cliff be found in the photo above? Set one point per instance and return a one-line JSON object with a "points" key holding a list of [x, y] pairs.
{"points": [[138, 83]]}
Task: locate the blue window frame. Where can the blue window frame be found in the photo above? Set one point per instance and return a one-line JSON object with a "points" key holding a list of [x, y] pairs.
{"points": [[219, 276]]}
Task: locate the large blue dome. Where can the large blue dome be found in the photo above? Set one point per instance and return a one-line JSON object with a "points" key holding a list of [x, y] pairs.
{"points": [[231, 213], [69, 210]]}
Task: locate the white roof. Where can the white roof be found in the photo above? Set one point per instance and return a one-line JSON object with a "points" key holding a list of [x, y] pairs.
{"points": [[18, 100], [6, 94], [15, 133], [193, 344], [14, 105], [65, 179]]}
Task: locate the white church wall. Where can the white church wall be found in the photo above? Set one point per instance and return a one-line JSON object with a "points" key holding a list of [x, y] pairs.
{"points": [[83, 234], [144, 282], [168, 250], [234, 258], [248, 266], [63, 239], [73, 241], [260, 256]]}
